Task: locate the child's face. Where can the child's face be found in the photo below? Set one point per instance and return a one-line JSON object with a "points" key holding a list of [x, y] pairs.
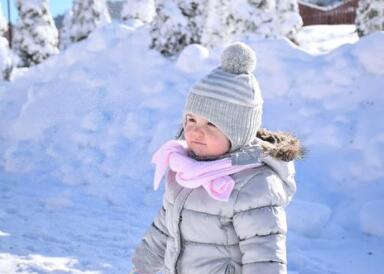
{"points": [[203, 137]]}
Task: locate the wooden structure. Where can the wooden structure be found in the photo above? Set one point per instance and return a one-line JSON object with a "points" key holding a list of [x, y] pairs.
{"points": [[341, 13]]}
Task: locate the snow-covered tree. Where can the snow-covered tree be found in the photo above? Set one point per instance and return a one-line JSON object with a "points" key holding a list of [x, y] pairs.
{"points": [[217, 26], [169, 31], [195, 12], [5, 52], [6, 64], [268, 18], [3, 23], [35, 35], [215, 22], [288, 19], [369, 17], [65, 32], [87, 15], [142, 10], [252, 17]]}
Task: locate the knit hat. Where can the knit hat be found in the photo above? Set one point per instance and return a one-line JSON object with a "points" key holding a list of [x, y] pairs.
{"points": [[229, 96]]}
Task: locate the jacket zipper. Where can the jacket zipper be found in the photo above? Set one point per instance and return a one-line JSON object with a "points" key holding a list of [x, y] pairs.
{"points": [[186, 193]]}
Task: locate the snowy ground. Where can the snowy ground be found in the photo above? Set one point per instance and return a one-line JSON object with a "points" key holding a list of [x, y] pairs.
{"points": [[319, 39], [78, 131]]}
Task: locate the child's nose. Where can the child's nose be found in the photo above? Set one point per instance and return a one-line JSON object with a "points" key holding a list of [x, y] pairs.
{"points": [[198, 132]]}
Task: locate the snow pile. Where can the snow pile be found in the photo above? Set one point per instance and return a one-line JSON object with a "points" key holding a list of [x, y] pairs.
{"points": [[363, 51], [78, 131], [192, 58], [40, 264], [79, 126]]}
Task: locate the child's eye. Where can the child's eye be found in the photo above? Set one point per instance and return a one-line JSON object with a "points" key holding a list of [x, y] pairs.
{"points": [[191, 120], [211, 125]]}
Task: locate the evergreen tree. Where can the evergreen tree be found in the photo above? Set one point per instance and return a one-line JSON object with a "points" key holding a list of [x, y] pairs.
{"points": [[288, 19], [169, 30], [268, 18], [65, 32], [142, 10], [195, 13], [252, 17], [369, 17], [217, 26], [5, 53], [35, 36], [87, 16]]}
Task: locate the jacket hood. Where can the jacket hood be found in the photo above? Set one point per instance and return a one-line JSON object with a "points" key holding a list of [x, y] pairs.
{"points": [[276, 149]]}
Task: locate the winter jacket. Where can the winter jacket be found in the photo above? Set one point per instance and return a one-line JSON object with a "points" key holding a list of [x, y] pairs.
{"points": [[195, 234]]}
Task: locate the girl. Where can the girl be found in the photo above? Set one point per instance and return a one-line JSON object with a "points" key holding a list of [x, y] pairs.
{"points": [[227, 182]]}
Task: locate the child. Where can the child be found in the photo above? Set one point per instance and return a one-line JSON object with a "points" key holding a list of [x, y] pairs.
{"points": [[227, 183]]}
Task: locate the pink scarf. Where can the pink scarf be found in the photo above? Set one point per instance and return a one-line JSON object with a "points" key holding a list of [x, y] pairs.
{"points": [[213, 176]]}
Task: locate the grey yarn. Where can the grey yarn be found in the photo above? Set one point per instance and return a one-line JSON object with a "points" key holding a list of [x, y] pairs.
{"points": [[229, 96], [238, 58]]}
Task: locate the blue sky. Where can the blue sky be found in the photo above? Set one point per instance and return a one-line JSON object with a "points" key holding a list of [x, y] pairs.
{"points": [[56, 7]]}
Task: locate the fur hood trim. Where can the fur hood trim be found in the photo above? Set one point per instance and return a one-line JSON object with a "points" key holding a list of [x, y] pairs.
{"points": [[280, 145]]}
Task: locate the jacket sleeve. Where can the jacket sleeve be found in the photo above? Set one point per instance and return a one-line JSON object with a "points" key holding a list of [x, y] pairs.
{"points": [[148, 257], [260, 224]]}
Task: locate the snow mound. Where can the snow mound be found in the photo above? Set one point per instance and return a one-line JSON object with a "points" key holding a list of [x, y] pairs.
{"points": [[88, 112], [308, 218], [78, 132], [372, 43], [192, 58]]}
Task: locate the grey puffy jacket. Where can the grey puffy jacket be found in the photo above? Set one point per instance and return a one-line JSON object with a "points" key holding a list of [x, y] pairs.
{"points": [[195, 234]]}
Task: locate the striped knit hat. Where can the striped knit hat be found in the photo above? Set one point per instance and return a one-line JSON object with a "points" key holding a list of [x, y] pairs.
{"points": [[230, 97]]}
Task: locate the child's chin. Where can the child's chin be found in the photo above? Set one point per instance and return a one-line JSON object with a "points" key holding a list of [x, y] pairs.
{"points": [[203, 154], [199, 153]]}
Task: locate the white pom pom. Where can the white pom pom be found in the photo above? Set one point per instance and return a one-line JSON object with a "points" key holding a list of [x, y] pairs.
{"points": [[238, 58]]}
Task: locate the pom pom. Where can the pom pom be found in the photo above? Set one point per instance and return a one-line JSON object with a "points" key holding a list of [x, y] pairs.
{"points": [[238, 58]]}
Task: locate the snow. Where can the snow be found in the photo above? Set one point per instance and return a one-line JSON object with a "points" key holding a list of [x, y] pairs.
{"points": [[86, 17], [5, 55], [369, 17], [78, 131], [371, 63], [308, 218], [141, 10], [35, 36], [317, 39], [372, 218], [192, 58]]}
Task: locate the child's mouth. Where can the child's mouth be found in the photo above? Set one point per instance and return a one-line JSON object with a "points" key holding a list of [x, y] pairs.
{"points": [[198, 143]]}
